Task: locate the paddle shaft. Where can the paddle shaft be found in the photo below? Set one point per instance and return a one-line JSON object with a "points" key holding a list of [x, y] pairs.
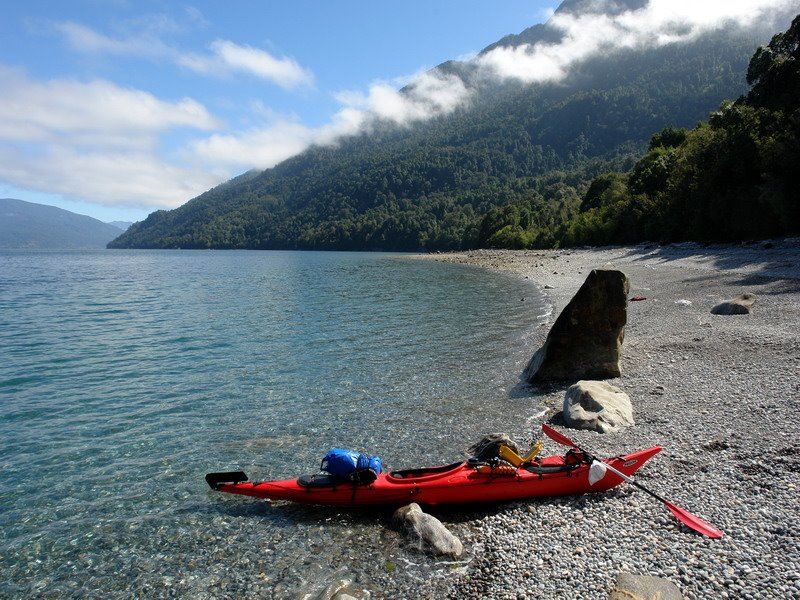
{"points": [[632, 481]]}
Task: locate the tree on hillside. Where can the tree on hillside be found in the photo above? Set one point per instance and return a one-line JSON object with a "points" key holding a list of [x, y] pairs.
{"points": [[774, 72]]}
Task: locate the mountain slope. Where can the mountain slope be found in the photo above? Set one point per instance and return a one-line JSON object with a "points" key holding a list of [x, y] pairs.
{"points": [[27, 225], [444, 183]]}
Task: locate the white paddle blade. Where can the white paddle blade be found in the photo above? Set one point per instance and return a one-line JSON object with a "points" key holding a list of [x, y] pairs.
{"points": [[596, 472]]}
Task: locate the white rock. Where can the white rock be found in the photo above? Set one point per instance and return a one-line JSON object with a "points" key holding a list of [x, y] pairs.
{"points": [[597, 405]]}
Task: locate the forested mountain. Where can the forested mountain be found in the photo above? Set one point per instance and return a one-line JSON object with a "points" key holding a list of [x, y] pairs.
{"points": [[510, 168], [734, 177], [27, 225]]}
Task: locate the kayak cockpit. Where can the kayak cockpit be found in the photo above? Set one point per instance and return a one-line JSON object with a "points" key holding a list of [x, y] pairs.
{"points": [[424, 473], [324, 480]]}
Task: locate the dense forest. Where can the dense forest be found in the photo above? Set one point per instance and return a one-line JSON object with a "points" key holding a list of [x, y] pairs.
{"points": [[533, 165]]}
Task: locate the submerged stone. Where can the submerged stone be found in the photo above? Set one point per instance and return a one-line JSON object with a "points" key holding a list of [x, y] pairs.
{"points": [[428, 531]]}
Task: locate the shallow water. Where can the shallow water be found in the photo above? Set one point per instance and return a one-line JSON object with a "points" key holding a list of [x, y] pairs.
{"points": [[126, 376]]}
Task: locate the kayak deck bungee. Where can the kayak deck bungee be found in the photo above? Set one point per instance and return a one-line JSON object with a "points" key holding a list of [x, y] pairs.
{"points": [[457, 483]]}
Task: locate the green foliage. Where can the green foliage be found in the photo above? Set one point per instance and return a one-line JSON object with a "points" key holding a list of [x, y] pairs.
{"points": [[669, 137], [650, 174], [774, 72], [604, 190]]}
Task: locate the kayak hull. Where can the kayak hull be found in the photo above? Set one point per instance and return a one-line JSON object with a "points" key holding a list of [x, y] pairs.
{"points": [[460, 483]]}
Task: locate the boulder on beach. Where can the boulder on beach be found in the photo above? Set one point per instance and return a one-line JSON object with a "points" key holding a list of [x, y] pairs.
{"points": [[428, 531], [644, 587], [597, 405], [740, 305], [586, 339]]}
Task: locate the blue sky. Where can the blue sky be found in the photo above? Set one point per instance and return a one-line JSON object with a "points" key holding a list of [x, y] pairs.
{"points": [[171, 52], [116, 108]]}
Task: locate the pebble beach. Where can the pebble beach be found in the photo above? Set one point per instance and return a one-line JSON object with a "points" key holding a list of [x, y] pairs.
{"points": [[721, 394]]}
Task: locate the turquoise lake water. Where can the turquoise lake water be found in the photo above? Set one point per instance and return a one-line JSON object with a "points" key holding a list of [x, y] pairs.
{"points": [[125, 376]]}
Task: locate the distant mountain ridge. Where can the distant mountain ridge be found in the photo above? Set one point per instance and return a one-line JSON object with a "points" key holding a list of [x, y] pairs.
{"points": [[123, 225], [446, 182], [27, 225]]}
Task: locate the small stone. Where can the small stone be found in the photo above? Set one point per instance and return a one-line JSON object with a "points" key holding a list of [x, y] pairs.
{"points": [[644, 587], [740, 305]]}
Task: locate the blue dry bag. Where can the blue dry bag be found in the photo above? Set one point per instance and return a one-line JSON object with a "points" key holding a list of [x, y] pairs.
{"points": [[352, 466]]}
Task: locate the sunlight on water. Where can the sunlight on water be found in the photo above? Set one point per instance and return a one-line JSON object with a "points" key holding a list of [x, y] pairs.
{"points": [[126, 376]]}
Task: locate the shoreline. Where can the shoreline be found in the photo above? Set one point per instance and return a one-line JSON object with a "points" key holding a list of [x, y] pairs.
{"points": [[720, 393]]}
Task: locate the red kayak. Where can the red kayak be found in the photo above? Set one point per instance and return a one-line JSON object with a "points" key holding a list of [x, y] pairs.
{"points": [[462, 482]]}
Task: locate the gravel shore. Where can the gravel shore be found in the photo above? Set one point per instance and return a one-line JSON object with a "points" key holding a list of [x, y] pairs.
{"points": [[720, 393]]}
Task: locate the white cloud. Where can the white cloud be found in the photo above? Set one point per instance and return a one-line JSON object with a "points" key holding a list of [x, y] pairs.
{"points": [[227, 57], [283, 71], [96, 141], [280, 137], [125, 177], [275, 139], [95, 112], [426, 95], [84, 39], [259, 147], [659, 23]]}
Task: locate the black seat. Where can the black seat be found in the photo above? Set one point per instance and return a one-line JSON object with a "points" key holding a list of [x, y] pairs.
{"points": [[545, 469], [319, 480]]}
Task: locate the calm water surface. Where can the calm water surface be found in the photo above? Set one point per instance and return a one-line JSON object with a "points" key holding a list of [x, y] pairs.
{"points": [[126, 376]]}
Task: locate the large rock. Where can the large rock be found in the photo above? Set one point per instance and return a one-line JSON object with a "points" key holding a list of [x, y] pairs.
{"points": [[740, 305], [644, 587], [586, 339], [597, 405], [428, 531]]}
